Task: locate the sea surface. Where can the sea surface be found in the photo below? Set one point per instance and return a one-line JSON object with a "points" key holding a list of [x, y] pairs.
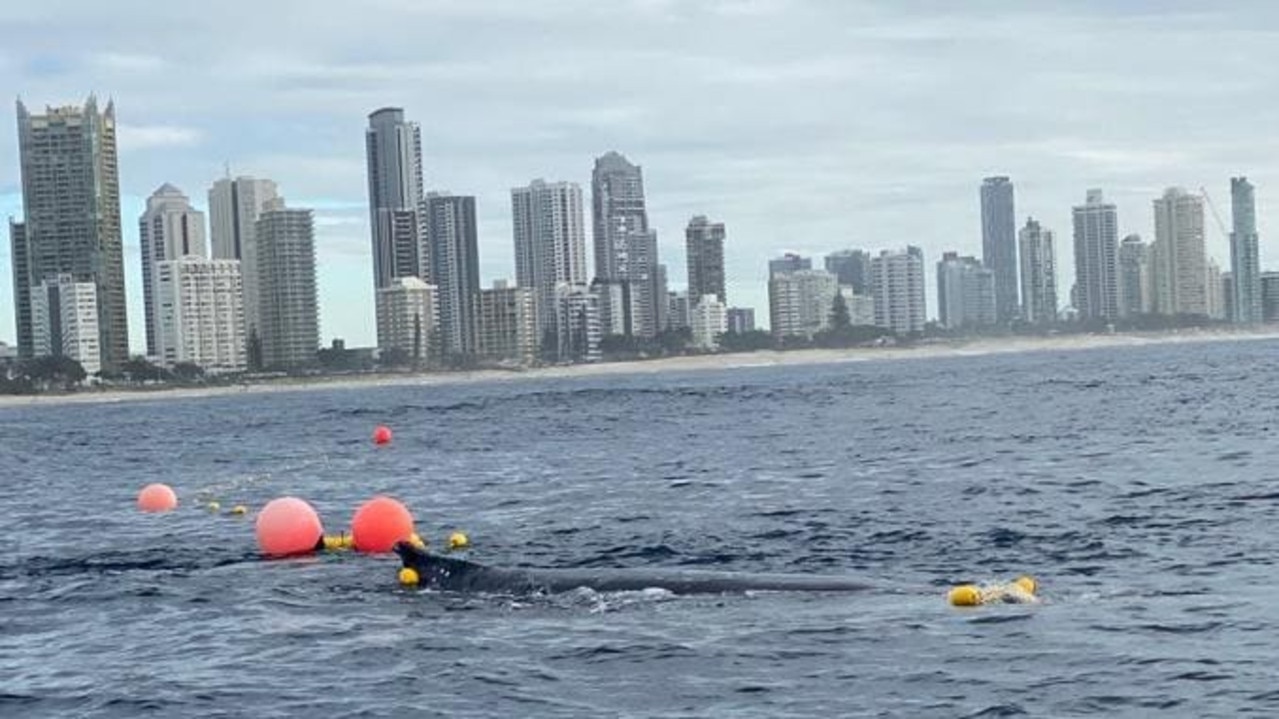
{"points": [[1138, 484]]}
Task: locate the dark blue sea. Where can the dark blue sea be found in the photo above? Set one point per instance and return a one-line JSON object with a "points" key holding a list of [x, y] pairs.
{"points": [[1138, 484]]}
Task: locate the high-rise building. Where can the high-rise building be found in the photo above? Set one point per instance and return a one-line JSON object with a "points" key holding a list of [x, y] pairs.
{"points": [[64, 321], [611, 295], [1038, 273], [708, 320], [897, 284], [852, 268], [169, 229], [741, 320], [1270, 296], [577, 323], [679, 310], [1245, 260], [800, 302], [1214, 298], [1134, 277], [965, 292], [508, 324], [408, 320], [393, 147], [625, 246], [1096, 272], [704, 246], [455, 268], [234, 208], [289, 329], [1179, 264], [999, 243], [789, 262], [1228, 295], [21, 266], [199, 313], [550, 244], [71, 208], [861, 308]]}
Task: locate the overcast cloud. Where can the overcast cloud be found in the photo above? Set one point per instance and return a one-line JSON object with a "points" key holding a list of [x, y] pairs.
{"points": [[808, 125]]}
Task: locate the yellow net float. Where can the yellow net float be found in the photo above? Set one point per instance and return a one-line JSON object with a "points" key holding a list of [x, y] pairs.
{"points": [[1022, 590]]}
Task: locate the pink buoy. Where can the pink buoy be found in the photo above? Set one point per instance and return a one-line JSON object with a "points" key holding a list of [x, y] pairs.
{"points": [[379, 523], [288, 526], [157, 498], [382, 435]]}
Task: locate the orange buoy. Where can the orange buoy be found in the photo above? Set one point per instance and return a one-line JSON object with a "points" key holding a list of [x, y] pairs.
{"points": [[379, 523], [157, 498], [288, 526], [382, 435]]}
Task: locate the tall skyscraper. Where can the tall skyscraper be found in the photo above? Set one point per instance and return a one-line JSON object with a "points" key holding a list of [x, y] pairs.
{"points": [[289, 330], [897, 284], [1038, 273], [199, 313], [789, 262], [999, 243], [577, 325], [965, 292], [852, 267], [169, 229], [21, 266], [1180, 264], [550, 244], [1134, 277], [625, 247], [704, 246], [1245, 260], [800, 302], [455, 268], [394, 150], [71, 207], [1096, 275], [234, 208]]}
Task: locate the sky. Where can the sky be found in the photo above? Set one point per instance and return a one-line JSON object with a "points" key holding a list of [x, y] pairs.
{"points": [[803, 125]]}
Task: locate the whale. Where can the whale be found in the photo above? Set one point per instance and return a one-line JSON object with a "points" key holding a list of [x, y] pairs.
{"points": [[450, 574]]}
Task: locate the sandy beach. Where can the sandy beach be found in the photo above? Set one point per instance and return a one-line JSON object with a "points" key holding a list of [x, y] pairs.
{"points": [[963, 348]]}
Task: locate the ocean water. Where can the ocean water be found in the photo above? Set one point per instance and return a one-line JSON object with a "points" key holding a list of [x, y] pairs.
{"points": [[1137, 484]]}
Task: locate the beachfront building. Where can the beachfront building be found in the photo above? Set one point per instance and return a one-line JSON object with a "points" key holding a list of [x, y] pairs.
{"points": [[679, 310], [507, 321], [708, 320], [1038, 273], [288, 313], [64, 321], [800, 302], [577, 324], [1245, 259], [199, 306], [704, 247], [897, 286], [550, 245], [393, 153], [741, 320], [169, 229], [71, 211], [455, 268], [861, 308], [999, 243], [235, 205], [1216, 304], [1270, 296], [1179, 262], [789, 262], [1096, 234], [1134, 277], [965, 292], [408, 320], [625, 245], [851, 268]]}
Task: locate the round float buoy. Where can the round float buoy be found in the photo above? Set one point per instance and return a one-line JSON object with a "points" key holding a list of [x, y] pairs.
{"points": [[157, 498], [965, 595], [1027, 583], [379, 523], [458, 540], [288, 526], [409, 577], [382, 435]]}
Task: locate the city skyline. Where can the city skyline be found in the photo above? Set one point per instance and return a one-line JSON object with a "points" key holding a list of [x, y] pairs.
{"points": [[811, 179]]}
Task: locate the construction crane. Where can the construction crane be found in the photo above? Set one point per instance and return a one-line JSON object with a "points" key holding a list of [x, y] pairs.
{"points": [[1216, 216]]}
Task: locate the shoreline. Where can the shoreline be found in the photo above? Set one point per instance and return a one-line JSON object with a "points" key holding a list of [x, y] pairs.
{"points": [[695, 363]]}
